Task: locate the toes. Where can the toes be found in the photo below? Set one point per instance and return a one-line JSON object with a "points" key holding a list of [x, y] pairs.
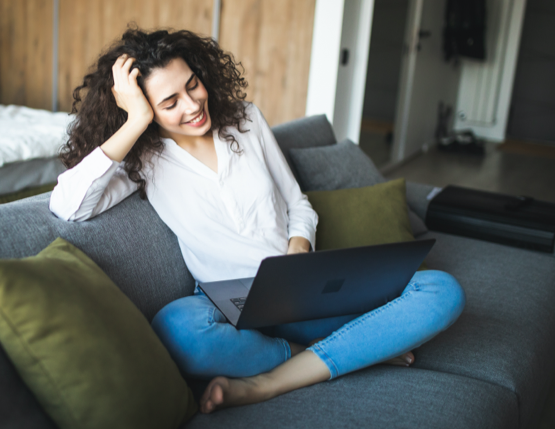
{"points": [[217, 396], [206, 407], [212, 397], [206, 394]]}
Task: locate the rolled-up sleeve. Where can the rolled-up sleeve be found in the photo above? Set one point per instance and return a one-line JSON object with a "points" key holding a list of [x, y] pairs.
{"points": [[93, 186], [302, 217]]}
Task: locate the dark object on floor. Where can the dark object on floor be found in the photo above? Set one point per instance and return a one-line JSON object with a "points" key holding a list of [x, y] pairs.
{"points": [[464, 32], [516, 221], [462, 142], [389, 138], [442, 128]]}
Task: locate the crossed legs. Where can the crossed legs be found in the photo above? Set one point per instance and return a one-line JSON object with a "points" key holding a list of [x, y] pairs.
{"points": [[252, 367]]}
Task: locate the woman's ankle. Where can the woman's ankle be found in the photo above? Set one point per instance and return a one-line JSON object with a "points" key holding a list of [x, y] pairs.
{"points": [[296, 348]]}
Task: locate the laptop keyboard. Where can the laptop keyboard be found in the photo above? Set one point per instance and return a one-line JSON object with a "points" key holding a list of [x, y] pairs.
{"points": [[239, 302]]}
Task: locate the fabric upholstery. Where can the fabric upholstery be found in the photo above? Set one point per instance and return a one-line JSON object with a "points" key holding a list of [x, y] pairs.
{"points": [[343, 165], [361, 216], [505, 334], [378, 397], [417, 194], [129, 242], [88, 354], [305, 132]]}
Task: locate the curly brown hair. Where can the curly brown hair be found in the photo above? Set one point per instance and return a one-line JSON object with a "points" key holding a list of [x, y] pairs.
{"points": [[98, 117]]}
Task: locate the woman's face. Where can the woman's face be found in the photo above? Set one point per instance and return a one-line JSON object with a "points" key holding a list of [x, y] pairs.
{"points": [[179, 101]]}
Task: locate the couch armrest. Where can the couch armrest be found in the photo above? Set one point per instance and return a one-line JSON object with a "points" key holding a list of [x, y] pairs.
{"points": [[417, 194]]}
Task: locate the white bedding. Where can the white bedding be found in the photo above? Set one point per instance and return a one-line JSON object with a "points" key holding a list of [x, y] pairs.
{"points": [[27, 133]]}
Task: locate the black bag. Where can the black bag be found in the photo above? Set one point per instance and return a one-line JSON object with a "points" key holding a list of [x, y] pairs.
{"points": [[516, 221]]}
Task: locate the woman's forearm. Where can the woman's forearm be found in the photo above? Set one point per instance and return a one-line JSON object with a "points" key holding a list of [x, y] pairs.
{"points": [[119, 145], [298, 245]]}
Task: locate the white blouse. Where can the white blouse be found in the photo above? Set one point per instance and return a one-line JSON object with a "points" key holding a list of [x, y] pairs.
{"points": [[225, 222]]}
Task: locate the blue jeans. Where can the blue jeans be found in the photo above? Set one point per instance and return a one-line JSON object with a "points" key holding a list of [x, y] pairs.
{"points": [[204, 345]]}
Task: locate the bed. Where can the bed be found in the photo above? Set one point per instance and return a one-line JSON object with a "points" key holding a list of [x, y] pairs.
{"points": [[30, 140]]}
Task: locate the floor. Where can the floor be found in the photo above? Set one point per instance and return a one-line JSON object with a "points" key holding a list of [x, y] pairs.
{"points": [[376, 140], [511, 172], [375, 145], [499, 171]]}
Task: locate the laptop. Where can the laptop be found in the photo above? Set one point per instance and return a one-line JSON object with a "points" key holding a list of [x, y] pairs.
{"points": [[315, 285]]}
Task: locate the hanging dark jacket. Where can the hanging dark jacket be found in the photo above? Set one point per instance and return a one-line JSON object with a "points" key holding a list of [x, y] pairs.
{"points": [[464, 33]]}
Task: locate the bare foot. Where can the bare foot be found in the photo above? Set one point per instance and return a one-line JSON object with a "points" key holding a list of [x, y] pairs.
{"points": [[224, 392], [404, 360]]}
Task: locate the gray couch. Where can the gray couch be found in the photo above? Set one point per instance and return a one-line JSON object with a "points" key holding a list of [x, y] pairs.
{"points": [[491, 369]]}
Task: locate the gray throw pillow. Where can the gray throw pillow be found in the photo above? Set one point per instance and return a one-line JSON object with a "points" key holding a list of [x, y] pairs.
{"points": [[340, 166]]}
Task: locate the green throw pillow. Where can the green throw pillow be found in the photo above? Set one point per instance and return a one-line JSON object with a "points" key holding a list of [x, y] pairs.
{"points": [[365, 216], [83, 348]]}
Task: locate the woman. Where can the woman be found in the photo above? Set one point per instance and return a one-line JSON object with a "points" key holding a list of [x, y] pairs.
{"points": [[171, 106]]}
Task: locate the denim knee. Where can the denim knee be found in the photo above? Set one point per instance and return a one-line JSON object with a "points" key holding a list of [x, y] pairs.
{"points": [[449, 295], [180, 325]]}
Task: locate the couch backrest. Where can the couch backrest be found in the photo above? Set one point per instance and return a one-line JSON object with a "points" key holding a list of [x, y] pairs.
{"points": [[306, 132], [130, 242]]}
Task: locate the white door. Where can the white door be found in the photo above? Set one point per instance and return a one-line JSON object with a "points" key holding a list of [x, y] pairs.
{"points": [[486, 86], [426, 80]]}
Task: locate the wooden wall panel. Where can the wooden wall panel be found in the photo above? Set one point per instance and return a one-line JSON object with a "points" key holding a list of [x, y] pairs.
{"points": [[86, 27], [273, 41], [26, 52]]}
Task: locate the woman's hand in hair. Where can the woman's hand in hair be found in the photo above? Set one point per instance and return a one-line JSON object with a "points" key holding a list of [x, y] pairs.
{"points": [[128, 94], [130, 98]]}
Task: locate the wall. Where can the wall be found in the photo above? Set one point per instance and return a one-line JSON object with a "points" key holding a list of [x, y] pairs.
{"points": [[384, 61], [272, 39], [533, 101], [88, 26], [26, 52]]}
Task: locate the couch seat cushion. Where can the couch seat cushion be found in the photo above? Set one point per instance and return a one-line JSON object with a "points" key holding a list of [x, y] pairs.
{"points": [[378, 397], [505, 334]]}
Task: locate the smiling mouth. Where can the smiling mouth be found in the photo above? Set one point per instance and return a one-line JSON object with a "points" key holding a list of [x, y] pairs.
{"points": [[197, 119]]}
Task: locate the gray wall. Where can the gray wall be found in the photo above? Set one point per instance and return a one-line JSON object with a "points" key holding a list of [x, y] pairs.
{"points": [[532, 115], [384, 60]]}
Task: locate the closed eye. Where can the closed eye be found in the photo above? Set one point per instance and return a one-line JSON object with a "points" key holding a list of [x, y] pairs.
{"points": [[172, 106], [196, 84]]}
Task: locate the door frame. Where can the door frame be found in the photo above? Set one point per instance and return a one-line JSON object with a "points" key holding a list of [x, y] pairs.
{"points": [[339, 25], [331, 85], [408, 66]]}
